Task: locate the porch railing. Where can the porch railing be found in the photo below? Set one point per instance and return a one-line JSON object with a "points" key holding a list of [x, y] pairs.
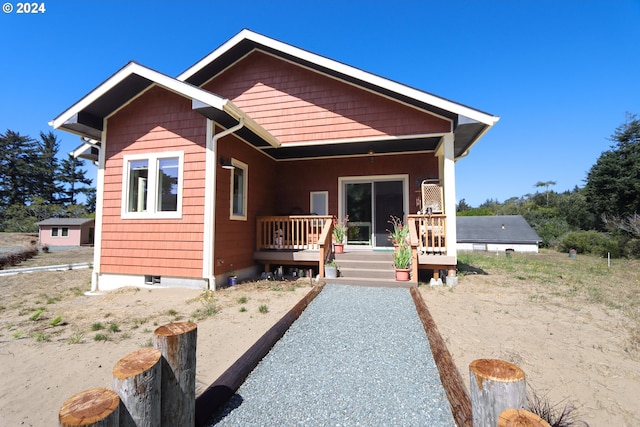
{"points": [[290, 232], [430, 232]]}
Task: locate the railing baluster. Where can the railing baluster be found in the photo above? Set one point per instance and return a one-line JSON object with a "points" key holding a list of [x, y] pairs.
{"points": [[431, 232], [298, 232]]}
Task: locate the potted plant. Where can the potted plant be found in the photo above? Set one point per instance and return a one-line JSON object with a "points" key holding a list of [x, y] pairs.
{"points": [[339, 234], [402, 261], [232, 279], [398, 236], [331, 270]]}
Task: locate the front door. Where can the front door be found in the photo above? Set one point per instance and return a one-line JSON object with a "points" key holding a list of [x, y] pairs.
{"points": [[370, 205]]}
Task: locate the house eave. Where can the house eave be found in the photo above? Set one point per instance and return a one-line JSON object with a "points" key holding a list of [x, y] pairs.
{"points": [[246, 41], [86, 117]]}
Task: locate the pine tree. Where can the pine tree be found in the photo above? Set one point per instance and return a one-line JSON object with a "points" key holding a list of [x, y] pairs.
{"points": [[48, 169], [18, 154], [613, 183], [72, 174]]}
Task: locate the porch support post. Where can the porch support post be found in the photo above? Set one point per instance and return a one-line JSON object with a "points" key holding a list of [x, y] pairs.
{"points": [[97, 231], [209, 207], [448, 178]]}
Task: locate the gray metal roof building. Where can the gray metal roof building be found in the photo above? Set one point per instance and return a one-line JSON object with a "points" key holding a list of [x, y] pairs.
{"points": [[497, 232]]}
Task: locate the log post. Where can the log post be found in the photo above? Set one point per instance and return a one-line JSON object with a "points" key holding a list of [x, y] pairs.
{"points": [[520, 418], [97, 407], [495, 385], [177, 343], [137, 380]]}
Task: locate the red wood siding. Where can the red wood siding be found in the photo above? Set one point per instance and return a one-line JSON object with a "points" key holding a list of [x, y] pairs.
{"points": [[235, 239], [301, 177], [155, 122], [298, 105]]}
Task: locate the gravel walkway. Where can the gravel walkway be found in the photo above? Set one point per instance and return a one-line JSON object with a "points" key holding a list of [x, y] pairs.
{"points": [[357, 356]]}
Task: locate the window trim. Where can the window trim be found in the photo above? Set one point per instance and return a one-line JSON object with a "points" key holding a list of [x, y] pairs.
{"points": [[245, 188], [60, 232], [152, 186]]}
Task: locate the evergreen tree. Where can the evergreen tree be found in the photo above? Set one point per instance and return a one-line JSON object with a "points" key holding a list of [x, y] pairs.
{"points": [[72, 174], [47, 168], [18, 154], [613, 183], [90, 203]]}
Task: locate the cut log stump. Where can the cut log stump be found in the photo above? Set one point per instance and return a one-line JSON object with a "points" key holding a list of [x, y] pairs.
{"points": [[137, 380], [520, 418], [495, 386], [97, 407], [177, 343]]}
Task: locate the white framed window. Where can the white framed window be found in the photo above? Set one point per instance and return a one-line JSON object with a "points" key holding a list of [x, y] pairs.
{"points": [[59, 231], [152, 185], [239, 185], [319, 202]]}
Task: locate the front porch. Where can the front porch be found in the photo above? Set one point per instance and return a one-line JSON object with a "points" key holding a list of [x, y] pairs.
{"points": [[307, 241]]}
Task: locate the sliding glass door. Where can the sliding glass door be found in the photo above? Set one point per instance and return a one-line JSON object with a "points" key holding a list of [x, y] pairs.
{"points": [[370, 204]]}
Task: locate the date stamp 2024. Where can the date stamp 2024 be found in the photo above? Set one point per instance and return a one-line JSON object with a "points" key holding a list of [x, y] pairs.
{"points": [[24, 8]]}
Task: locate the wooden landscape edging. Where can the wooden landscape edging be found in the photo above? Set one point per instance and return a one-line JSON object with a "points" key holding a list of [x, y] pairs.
{"points": [[449, 374], [218, 393]]}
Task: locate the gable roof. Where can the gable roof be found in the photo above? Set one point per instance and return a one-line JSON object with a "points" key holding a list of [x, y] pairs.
{"points": [[495, 229], [86, 117], [66, 221], [468, 124]]}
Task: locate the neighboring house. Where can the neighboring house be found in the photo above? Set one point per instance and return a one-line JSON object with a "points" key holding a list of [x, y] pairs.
{"points": [[66, 231], [496, 233], [240, 162]]}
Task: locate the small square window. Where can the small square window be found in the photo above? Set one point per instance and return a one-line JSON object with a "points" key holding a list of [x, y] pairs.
{"points": [[319, 202], [54, 232], [239, 180]]}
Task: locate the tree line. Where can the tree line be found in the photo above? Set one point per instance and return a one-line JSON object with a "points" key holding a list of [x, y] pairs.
{"points": [[38, 182], [601, 217]]}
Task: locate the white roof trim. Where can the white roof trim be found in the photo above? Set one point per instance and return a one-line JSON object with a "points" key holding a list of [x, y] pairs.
{"points": [[133, 68], [339, 67], [81, 150]]}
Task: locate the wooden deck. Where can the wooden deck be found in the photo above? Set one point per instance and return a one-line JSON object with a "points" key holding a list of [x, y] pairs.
{"points": [[306, 240]]}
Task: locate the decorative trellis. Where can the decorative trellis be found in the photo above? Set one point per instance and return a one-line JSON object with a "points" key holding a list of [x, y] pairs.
{"points": [[432, 198]]}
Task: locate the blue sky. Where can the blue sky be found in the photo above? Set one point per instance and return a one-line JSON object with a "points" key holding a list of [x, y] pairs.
{"points": [[561, 74]]}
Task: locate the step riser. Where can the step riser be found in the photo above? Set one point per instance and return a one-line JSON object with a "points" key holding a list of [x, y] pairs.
{"points": [[375, 283], [369, 265], [363, 266], [368, 274], [365, 256]]}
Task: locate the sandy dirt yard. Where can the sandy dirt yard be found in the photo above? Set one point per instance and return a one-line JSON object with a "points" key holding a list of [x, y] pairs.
{"points": [[75, 340], [56, 341], [572, 352]]}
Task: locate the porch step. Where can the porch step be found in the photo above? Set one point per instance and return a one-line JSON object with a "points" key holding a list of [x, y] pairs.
{"points": [[385, 283], [361, 265]]}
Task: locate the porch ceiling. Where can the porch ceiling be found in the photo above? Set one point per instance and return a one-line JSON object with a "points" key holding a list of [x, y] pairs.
{"points": [[353, 149]]}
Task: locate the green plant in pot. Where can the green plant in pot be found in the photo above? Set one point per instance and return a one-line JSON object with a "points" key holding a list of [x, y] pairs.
{"points": [[331, 270], [398, 235], [339, 234], [402, 261]]}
